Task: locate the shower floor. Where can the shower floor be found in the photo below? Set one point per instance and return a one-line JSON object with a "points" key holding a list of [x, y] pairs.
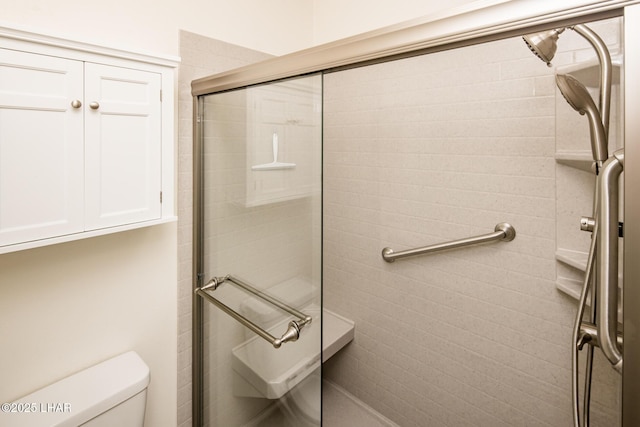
{"points": [[341, 409]]}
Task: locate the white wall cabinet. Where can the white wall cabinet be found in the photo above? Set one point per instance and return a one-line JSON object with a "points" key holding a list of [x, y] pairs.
{"points": [[86, 140]]}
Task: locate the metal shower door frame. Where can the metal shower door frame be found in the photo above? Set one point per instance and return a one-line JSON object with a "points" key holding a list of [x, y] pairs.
{"points": [[197, 353], [477, 22], [631, 301]]}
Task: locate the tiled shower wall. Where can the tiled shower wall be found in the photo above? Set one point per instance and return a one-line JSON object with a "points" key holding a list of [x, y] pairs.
{"points": [[436, 148]]}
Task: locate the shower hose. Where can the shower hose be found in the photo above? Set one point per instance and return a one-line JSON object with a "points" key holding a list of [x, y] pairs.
{"points": [[577, 343]]}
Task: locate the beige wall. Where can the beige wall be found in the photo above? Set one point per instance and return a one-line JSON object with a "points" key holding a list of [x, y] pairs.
{"points": [[277, 26], [66, 307], [336, 19]]}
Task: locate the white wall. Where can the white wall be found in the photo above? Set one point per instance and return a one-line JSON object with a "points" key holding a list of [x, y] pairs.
{"points": [[336, 19], [66, 307], [276, 27]]}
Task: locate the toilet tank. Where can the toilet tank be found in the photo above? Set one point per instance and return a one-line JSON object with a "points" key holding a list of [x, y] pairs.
{"points": [[112, 393]]}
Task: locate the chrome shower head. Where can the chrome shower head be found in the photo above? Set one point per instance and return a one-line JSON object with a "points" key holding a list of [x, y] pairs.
{"points": [[580, 100], [544, 44]]}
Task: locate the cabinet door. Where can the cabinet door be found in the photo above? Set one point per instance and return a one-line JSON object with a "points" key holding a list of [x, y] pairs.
{"points": [[123, 146], [41, 147]]}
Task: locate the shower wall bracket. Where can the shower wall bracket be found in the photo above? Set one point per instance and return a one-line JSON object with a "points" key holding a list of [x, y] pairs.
{"points": [[294, 327], [588, 334], [502, 232]]}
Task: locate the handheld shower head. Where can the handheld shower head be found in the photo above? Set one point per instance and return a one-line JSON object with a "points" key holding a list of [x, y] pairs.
{"points": [[580, 100], [544, 44]]}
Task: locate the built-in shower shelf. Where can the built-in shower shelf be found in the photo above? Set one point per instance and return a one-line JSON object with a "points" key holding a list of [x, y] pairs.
{"points": [[571, 287], [575, 259], [581, 160], [588, 72]]}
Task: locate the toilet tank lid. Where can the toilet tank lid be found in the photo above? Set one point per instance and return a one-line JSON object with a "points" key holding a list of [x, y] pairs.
{"points": [[87, 393]]}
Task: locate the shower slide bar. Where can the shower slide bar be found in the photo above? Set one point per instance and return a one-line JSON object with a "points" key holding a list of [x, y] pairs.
{"points": [[293, 330], [503, 231], [607, 259]]}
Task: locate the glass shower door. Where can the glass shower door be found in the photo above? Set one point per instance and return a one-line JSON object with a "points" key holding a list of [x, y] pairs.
{"points": [[260, 257]]}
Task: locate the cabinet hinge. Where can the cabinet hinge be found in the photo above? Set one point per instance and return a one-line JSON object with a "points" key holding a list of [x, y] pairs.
{"points": [[161, 95], [161, 197]]}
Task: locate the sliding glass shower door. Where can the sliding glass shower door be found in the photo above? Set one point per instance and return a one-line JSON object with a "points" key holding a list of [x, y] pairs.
{"points": [[260, 280]]}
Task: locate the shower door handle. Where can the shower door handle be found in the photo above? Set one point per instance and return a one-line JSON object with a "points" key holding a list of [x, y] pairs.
{"points": [[293, 328], [607, 259]]}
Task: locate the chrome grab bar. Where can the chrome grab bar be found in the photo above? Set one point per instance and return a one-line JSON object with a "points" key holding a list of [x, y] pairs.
{"points": [[607, 259], [293, 330], [503, 231]]}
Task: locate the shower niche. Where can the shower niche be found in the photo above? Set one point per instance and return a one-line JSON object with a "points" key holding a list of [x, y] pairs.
{"points": [[266, 134], [281, 119]]}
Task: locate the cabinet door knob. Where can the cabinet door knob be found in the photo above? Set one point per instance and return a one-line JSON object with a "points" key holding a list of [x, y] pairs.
{"points": [[94, 105], [76, 103]]}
